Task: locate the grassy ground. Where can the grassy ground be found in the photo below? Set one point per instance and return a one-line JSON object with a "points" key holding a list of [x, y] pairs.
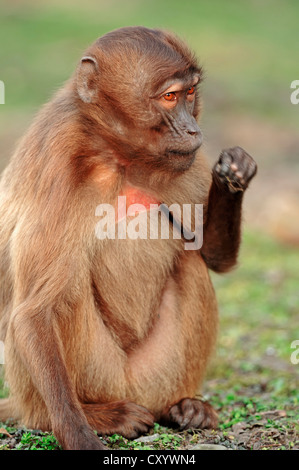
{"points": [[249, 51]]}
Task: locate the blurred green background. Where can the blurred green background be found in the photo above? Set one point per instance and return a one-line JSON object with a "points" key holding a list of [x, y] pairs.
{"points": [[250, 53]]}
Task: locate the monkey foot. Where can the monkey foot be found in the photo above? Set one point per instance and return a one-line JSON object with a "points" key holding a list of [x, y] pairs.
{"points": [[190, 413], [123, 417], [235, 168]]}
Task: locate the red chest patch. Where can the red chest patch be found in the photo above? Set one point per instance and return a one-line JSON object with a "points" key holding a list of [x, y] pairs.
{"points": [[137, 196], [133, 200]]}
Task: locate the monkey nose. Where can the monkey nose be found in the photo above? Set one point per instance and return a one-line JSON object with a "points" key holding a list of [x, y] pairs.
{"points": [[192, 128], [195, 136], [194, 132]]}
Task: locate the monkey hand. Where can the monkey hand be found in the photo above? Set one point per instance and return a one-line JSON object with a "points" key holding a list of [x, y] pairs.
{"points": [[235, 168]]}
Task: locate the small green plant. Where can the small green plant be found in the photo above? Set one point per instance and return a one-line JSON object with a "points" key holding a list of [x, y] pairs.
{"points": [[43, 441], [169, 441]]}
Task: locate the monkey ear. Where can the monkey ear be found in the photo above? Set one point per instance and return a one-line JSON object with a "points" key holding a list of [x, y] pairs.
{"points": [[87, 79]]}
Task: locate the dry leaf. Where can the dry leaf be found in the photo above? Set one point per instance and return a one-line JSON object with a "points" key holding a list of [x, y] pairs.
{"points": [[5, 432]]}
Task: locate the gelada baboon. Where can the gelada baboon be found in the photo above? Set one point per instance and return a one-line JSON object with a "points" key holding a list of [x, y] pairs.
{"points": [[101, 333]]}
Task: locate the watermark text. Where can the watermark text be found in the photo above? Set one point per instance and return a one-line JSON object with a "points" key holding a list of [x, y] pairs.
{"points": [[159, 221], [295, 94], [2, 92], [1, 352], [295, 354]]}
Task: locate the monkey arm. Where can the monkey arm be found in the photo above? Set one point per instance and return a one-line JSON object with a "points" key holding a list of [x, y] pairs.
{"points": [[222, 229], [43, 270], [45, 364]]}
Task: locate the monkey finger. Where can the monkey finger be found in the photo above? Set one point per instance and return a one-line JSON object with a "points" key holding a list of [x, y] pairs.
{"points": [[223, 166], [250, 171]]}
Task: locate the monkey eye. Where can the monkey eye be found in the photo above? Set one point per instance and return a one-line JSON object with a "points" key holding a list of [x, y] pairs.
{"points": [[169, 100], [171, 96], [191, 93]]}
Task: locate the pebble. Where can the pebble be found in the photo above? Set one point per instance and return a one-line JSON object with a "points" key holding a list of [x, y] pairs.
{"points": [[208, 447], [147, 438]]}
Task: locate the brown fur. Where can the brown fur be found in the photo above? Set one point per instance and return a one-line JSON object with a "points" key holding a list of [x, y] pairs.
{"points": [[110, 334]]}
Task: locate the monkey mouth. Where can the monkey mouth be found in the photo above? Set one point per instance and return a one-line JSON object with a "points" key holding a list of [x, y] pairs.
{"points": [[181, 153], [184, 152]]}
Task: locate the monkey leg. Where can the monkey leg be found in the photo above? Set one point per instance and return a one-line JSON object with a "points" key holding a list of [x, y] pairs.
{"points": [[190, 413], [166, 368], [222, 229]]}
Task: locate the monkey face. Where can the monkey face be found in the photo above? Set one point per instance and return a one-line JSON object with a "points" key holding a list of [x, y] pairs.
{"points": [[180, 135], [144, 94]]}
